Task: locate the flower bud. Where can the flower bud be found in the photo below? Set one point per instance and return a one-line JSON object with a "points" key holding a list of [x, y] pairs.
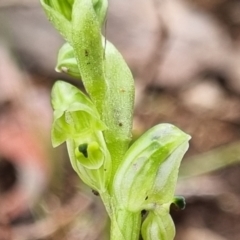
{"points": [[67, 62], [62, 7], [100, 7], [158, 225], [59, 13], [148, 173]]}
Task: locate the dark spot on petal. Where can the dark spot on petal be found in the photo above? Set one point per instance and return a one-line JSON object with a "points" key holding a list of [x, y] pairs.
{"points": [[146, 198], [86, 53], [144, 213], [82, 148]]}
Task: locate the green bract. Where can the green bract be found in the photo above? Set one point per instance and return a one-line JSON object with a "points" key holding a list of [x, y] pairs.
{"points": [[118, 108]]}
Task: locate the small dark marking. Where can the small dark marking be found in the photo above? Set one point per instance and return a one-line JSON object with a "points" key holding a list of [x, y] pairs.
{"points": [[122, 90], [82, 148], [120, 124], [88, 63], [105, 169], [146, 198], [143, 212], [86, 53], [96, 193]]}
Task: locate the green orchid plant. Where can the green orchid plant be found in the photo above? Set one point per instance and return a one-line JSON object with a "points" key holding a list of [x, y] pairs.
{"points": [[97, 127]]}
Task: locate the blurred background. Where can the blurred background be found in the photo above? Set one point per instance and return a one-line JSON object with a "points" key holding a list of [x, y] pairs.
{"points": [[185, 58]]}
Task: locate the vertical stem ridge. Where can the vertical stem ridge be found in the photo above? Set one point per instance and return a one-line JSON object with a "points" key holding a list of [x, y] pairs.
{"points": [[125, 225]]}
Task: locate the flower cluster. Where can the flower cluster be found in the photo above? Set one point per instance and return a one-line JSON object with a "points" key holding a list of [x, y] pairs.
{"points": [[97, 127]]}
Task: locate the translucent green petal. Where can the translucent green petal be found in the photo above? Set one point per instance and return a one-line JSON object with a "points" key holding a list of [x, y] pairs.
{"points": [[74, 114], [149, 170], [96, 178], [90, 155], [65, 94]]}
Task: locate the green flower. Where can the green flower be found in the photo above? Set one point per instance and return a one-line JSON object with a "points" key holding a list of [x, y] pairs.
{"points": [[147, 176], [91, 161], [77, 122]]}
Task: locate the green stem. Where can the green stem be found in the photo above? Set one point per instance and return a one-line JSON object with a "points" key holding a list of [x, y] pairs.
{"points": [[125, 225]]}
